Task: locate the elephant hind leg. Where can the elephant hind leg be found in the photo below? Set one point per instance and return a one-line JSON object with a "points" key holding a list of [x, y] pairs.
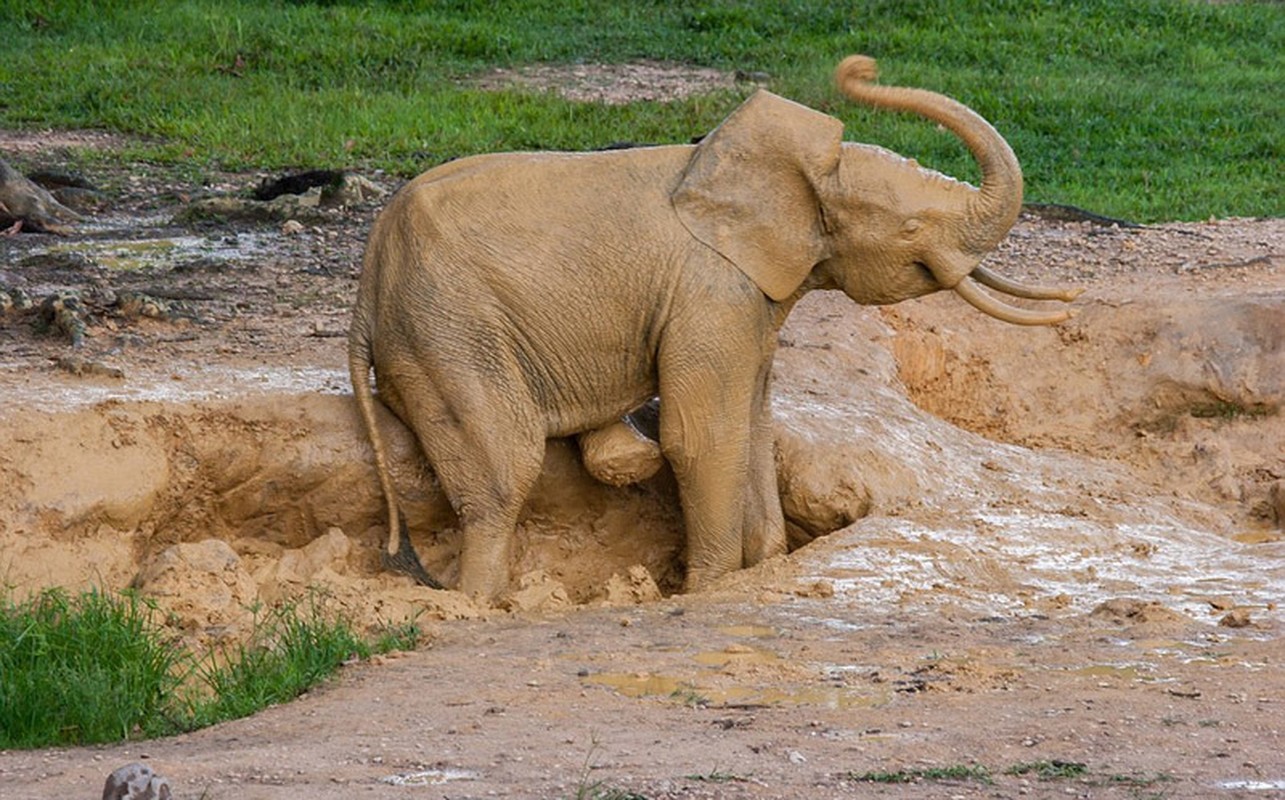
{"points": [[486, 447]]}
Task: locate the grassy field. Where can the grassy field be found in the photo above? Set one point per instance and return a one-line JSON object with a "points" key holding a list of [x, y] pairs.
{"points": [[1137, 108]]}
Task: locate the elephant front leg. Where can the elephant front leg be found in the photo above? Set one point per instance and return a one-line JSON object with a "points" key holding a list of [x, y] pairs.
{"points": [[707, 446], [764, 526]]}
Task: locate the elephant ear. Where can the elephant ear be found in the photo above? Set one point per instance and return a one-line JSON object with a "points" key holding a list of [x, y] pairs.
{"points": [[750, 190]]}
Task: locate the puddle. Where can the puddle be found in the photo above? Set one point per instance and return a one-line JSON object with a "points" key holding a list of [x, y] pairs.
{"points": [[751, 631], [1139, 673], [1004, 562], [430, 777], [132, 255], [1277, 784], [56, 391]]}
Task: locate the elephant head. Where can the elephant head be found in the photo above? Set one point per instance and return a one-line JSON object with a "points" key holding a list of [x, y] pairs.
{"points": [[776, 191]]}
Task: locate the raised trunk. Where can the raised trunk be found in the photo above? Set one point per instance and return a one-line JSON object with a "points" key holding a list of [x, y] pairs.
{"points": [[991, 212], [999, 200]]}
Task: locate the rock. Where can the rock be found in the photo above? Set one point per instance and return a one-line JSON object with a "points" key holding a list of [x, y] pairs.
{"points": [[1132, 611], [136, 782], [536, 591], [29, 206], [351, 190], [1236, 618], [1276, 502], [633, 588], [239, 209]]}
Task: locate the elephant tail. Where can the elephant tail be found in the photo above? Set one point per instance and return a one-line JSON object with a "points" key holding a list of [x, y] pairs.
{"points": [[399, 554]]}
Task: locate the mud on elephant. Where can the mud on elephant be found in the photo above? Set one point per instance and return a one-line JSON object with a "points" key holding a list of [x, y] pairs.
{"points": [[510, 298]]}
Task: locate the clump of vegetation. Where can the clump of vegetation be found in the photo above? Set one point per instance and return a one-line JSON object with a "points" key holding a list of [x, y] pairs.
{"points": [[81, 670], [96, 668], [1049, 770], [957, 772]]}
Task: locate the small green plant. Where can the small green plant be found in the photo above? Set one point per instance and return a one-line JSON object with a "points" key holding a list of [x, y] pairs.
{"points": [[1227, 410], [717, 776], [586, 790], [1049, 770], [690, 696], [958, 772]]}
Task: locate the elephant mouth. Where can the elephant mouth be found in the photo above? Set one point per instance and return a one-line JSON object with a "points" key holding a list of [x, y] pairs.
{"points": [[968, 289]]}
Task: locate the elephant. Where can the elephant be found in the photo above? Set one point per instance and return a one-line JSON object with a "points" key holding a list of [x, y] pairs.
{"points": [[510, 298]]}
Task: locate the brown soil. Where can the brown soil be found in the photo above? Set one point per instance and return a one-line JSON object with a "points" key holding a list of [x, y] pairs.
{"points": [[1018, 546]]}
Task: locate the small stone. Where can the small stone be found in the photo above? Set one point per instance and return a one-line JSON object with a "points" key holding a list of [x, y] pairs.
{"points": [[136, 782], [1236, 618], [291, 227]]}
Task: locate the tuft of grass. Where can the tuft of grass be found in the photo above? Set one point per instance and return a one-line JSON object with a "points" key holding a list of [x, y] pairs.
{"points": [[957, 772], [289, 652], [81, 670], [97, 668], [1143, 109], [1049, 770], [717, 776]]}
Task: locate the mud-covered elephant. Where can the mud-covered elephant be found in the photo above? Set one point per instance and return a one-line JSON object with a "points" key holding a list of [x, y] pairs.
{"points": [[510, 298]]}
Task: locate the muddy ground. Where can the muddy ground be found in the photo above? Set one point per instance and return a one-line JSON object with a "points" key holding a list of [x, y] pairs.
{"points": [[1052, 554]]}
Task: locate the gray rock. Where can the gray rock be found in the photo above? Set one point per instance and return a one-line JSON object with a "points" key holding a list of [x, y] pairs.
{"points": [[136, 782]]}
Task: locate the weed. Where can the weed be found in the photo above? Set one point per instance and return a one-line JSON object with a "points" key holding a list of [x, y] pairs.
{"points": [[1049, 770], [689, 696], [1227, 411], [958, 772], [716, 776], [597, 790]]}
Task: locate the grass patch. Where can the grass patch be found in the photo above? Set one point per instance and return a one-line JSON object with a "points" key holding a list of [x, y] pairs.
{"points": [[1145, 109], [81, 670], [717, 776], [1049, 770], [957, 772], [96, 668]]}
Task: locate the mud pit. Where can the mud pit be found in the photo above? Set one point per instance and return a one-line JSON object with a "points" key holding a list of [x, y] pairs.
{"points": [[1043, 545]]}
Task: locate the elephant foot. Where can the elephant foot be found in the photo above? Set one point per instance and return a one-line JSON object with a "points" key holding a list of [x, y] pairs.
{"points": [[406, 561]]}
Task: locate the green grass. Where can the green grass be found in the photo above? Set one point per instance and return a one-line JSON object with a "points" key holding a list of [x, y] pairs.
{"points": [[1049, 770], [957, 772], [76, 671], [95, 668], [1146, 109]]}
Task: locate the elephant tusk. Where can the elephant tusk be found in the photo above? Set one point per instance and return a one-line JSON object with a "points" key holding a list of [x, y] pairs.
{"points": [[999, 283], [1002, 311]]}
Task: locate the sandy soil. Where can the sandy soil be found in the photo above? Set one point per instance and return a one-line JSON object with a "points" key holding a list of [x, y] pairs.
{"points": [[1016, 547]]}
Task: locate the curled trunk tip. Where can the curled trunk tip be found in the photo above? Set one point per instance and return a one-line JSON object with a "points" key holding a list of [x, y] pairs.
{"points": [[857, 68]]}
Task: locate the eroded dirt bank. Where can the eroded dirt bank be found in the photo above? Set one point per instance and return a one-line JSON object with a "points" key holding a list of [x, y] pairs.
{"points": [[1043, 545]]}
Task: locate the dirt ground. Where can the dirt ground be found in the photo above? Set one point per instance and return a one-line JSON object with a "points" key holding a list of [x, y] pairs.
{"points": [[1052, 555]]}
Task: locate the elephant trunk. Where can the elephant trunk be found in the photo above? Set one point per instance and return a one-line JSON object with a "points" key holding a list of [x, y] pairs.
{"points": [[999, 200], [991, 212]]}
